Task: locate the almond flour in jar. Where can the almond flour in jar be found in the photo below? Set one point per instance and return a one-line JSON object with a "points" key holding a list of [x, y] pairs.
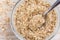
{"points": [[29, 17]]}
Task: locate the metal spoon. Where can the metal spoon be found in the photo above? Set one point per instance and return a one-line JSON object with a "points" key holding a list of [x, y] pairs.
{"points": [[52, 7]]}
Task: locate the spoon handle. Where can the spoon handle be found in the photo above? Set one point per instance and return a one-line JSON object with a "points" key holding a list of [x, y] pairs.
{"points": [[52, 7], [16, 3]]}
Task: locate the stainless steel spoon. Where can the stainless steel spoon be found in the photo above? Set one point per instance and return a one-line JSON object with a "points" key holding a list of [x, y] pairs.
{"points": [[52, 7]]}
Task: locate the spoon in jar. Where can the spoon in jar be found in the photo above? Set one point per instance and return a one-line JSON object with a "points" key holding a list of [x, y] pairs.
{"points": [[52, 7]]}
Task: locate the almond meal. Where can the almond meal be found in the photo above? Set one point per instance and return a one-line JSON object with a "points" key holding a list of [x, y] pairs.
{"points": [[28, 19]]}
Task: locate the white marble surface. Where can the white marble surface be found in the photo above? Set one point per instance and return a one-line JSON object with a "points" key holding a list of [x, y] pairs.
{"points": [[5, 30]]}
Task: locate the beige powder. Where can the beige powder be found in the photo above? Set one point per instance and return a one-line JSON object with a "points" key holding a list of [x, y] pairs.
{"points": [[29, 18]]}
